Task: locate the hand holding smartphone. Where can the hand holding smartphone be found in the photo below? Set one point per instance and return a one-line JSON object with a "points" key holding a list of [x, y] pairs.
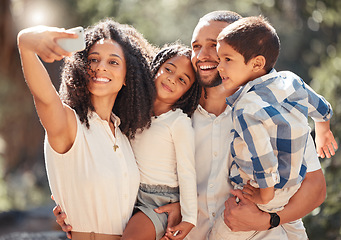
{"points": [[73, 44]]}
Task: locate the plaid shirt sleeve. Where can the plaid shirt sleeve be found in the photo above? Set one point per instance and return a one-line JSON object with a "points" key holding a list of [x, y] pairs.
{"points": [[319, 109]]}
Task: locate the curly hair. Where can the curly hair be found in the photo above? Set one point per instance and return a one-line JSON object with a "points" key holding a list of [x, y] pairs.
{"points": [[190, 100], [134, 102]]}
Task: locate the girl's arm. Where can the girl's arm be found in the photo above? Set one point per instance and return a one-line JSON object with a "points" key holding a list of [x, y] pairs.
{"points": [[183, 140], [57, 119]]}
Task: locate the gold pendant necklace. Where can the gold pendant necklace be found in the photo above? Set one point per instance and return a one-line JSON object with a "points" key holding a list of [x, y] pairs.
{"points": [[114, 135]]}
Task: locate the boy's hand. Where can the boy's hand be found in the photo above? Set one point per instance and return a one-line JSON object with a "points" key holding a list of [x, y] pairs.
{"points": [[258, 195], [180, 231], [325, 144], [252, 193]]}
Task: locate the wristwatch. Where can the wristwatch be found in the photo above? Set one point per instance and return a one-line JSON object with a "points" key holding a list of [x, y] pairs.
{"points": [[274, 220]]}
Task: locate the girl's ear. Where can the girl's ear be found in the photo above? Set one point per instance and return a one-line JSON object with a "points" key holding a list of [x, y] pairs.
{"points": [[258, 63]]}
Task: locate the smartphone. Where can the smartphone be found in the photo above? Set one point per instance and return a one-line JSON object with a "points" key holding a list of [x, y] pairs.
{"points": [[73, 44]]}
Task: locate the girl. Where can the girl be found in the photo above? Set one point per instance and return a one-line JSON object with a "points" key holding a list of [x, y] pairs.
{"points": [[165, 152], [104, 98]]}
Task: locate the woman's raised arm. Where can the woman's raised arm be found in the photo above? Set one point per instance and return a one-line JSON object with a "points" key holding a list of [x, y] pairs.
{"points": [[57, 119]]}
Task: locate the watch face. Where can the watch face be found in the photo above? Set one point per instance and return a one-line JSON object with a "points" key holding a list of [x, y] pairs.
{"points": [[275, 219]]}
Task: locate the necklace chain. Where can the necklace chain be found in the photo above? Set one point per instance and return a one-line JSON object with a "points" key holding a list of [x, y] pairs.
{"points": [[115, 135]]}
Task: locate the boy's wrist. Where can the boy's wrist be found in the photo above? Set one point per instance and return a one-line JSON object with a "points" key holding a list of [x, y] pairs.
{"points": [[321, 127]]}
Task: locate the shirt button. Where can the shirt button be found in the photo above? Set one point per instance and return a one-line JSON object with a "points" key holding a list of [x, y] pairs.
{"points": [[215, 154], [213, 214], [211, 185]]}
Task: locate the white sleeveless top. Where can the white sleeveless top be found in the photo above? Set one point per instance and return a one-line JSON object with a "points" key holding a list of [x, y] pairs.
{"points": [[94, 185]]}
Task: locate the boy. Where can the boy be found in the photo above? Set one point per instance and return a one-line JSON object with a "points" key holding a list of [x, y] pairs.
{"points": [[269, 111]]}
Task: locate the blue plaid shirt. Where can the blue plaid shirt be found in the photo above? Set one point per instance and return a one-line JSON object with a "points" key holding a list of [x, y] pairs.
{"points": [[270, 127]]}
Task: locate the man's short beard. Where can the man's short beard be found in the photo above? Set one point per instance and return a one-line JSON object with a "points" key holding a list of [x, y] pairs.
{"points": [[212, 83]]}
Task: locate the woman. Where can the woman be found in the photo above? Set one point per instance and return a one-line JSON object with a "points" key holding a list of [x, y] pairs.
{"points": [[105, 96]]}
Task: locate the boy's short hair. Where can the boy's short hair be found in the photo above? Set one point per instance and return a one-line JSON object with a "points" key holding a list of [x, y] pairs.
{"points": [[253, 36]]}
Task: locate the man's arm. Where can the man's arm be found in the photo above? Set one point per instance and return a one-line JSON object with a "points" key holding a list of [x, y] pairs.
{"points": [[245, 216], [172, 209], [60, 219], [174, 215], [313, 191]]}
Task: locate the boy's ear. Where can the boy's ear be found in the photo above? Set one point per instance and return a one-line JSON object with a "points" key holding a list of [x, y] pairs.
{"points": [[258, 63]]}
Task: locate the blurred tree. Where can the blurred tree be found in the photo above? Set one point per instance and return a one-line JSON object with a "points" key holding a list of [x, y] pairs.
{"points": [[326, 80], [20, 130]]}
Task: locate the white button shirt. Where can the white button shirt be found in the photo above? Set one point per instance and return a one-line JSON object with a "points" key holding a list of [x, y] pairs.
{"points": [[212, 142], [212, 148]]}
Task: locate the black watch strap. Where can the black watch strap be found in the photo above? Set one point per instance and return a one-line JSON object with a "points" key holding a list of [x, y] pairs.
{"points": [[274, 220]]}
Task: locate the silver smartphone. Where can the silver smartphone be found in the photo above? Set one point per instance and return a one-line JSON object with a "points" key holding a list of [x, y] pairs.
{"points": [[73, 44]]}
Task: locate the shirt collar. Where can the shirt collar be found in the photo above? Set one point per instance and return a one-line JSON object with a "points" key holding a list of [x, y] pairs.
{"points": [[93, 116], [231, 100], [203, 111]]}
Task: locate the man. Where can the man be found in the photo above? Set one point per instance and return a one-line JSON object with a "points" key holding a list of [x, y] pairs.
{"points": [[212, 123]]}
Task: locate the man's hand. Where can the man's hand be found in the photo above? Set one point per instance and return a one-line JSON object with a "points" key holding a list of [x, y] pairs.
{"points": [[244, 215], [174, 215], [60, 219]]}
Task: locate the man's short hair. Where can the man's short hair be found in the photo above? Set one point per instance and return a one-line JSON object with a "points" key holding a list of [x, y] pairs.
{"points": [[253, 36], [221, 16]]}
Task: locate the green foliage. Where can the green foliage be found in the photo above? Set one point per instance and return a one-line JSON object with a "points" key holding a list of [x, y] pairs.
{"points": [[327, 81], [89, 11]]}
